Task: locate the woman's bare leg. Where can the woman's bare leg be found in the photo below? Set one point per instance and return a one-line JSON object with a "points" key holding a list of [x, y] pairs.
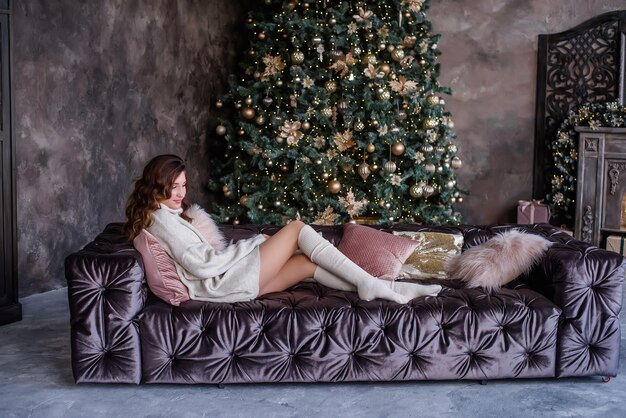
{"points": [[296, 269], [276, 253]]}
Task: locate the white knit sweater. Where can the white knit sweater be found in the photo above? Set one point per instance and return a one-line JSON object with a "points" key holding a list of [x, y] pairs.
{"points": [[230, 275]]}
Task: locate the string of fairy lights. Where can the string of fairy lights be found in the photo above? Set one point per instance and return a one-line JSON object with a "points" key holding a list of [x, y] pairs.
{"points": [[338, 115]]}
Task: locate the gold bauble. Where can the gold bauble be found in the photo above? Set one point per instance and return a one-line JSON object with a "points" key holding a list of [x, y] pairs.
{"points": [[359, 125], [252, 52], [374, 167], [228, 193], [225, 188], [238, 105], [427, 148], [220, 129], [284, 168], [385, 68], [384, 94], [219, 104], [364, 170], [416, 191], [334, 186], [261, 36], [356, 51], [397, 148], [430, 123], [235, 221], [374, 122], [456, 162], [430, 168], [306, 125], [248, 100], [297, 57], [279, 83], [330, 86], [397, 54], [370, 59], [248, 113], [370, 148], [241, 132], [267, 101], [327, 111], [325, 176], [390, 167], [260, 120], [243, 199], [390, 48], [432, 100], [451, 148], [428, 190]]}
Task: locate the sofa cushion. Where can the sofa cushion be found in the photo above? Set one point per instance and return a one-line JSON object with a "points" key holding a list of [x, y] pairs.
{"points": [[160, 270], [498, 261], [379, 253], [427, 261]]}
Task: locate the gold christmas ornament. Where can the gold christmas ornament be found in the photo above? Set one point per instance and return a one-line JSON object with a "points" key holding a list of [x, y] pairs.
{"points": [[284, 168], [382, 46], [430, 168], [432, 100], [364, 170], [456, 163], [225, 188], [332, 21], [374, 122], [384, 94], [397, 149], [248, 113], [416, 191], [261, 36], [370, 148], [252, 52], [259, 206], [243, 199], [267, 101], [297, 57], [390, 48], [330, 86], [427, 148], [279, 83], [325, 176], [390, 167], [317, 39], [381, 203], [220, 129], [430, 123], [356, 51], [440, 149], [306, 125], [238, 105], [260, 120], [451, 148], [370, 59], [374, 167], [428, 190], [397, 54], [327, 112], [219, 104], [359, 126], [248, 100], [241, 132], [235, 221], [385, 68], [334, 186]]}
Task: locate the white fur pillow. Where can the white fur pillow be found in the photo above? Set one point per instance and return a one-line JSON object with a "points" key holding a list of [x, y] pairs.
{"points": [[203, 222], [499, 260]]}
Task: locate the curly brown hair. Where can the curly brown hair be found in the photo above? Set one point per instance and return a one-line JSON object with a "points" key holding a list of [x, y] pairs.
{"points": [[154, 186]]}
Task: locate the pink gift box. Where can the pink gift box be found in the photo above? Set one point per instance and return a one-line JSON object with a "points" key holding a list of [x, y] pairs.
{"points": [[532, 212]]}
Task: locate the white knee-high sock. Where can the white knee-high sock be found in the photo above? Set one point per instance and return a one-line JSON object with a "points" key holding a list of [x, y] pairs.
{"points": [[328, 279], [327, 256], [411, 290]]}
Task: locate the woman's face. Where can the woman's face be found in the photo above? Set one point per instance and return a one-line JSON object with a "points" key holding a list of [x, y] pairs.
{"points": [[178, 192]]}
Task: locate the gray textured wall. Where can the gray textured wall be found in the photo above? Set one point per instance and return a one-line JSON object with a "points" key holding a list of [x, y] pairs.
{"points": [[103, 85]]}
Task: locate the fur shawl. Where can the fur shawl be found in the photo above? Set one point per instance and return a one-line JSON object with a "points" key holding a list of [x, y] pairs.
{"points": [[203, 222]]}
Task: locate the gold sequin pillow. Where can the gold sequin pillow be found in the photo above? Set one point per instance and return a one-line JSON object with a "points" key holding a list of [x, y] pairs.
{"points": [[427, 260]]}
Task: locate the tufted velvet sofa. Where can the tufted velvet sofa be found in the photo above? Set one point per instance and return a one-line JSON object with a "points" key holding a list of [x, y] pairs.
{"points": [[560, 320]]}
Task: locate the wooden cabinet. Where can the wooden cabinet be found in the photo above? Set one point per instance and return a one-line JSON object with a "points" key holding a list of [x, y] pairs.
{"points": [[10, 308], [600, 184]]}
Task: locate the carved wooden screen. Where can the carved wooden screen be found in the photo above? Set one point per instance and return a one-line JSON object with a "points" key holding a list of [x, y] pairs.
{"points": [[582, 65]]}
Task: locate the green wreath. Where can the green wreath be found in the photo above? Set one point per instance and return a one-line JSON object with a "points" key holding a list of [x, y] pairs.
{"points": [[565, 153]]}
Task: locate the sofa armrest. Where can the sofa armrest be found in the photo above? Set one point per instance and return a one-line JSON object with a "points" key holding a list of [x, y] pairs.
{"points": [[106, 290], [586, 282]]}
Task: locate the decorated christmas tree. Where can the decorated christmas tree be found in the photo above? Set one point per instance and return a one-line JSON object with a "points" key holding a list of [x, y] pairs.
{"points": [[337, 115]]}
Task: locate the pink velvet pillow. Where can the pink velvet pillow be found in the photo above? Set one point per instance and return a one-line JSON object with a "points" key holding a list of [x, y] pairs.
{"points": [[160, 270], [379, 253]]}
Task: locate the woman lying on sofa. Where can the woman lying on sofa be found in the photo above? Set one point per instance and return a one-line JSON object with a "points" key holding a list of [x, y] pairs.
{"points": [[250, 267]]}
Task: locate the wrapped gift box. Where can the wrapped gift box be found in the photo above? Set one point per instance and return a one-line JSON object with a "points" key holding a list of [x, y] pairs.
{"points": [[616, 243], [532, 212]]}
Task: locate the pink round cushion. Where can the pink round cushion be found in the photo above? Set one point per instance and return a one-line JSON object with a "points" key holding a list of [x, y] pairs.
{"points": [[379, 253], [160, 270]]}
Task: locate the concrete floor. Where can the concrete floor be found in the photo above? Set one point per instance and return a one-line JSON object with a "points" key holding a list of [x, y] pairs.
{"points": [[36, 381]]}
